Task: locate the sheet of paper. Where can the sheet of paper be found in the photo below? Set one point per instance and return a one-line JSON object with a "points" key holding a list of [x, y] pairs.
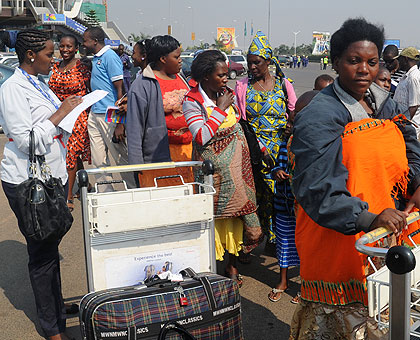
{"points": [[67, 123]]}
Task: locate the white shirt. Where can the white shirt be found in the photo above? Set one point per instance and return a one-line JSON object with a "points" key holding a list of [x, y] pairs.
{"points": [[23, 108], [407, 93], [207, 101]]}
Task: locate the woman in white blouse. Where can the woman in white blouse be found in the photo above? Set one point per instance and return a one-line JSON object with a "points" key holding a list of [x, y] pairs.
{"points": [[27, 104]]}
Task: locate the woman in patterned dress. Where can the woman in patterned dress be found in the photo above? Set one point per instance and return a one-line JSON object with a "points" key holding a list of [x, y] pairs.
{"points": [[71, 77], [264, 100], [212, 116]]}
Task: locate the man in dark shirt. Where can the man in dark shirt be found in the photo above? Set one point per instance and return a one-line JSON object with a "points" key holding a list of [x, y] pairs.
{"points": [[125, 59], [389, 56]]}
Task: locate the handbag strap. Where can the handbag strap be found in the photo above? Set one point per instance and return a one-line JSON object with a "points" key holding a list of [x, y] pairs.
{"points": [[33, 158], [177, 328], [32, 147]]}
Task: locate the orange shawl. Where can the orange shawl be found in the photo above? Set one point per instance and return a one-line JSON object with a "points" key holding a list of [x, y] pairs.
{"points": [[332, 271]]}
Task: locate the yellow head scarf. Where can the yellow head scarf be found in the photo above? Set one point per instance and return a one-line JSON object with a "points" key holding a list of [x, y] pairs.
{"points": [[261, 47]]}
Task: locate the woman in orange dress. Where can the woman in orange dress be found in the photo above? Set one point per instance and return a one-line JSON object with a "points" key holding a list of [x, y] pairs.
{"points": [[71, 77], [357, 161]]}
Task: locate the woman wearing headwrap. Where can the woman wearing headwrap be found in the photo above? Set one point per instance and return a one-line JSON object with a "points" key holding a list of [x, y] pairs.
{"points": [[212, 117], [264, 101]]}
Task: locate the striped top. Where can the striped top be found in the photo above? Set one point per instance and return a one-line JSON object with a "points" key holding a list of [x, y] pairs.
{"points": [[203, 117]]}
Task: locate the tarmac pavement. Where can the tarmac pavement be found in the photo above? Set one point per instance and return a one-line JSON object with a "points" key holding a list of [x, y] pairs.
{"points": [[262, 319]]}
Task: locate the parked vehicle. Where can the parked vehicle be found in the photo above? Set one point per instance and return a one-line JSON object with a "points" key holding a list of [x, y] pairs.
{"points": [[283, 60], [239, 59], [226, 58], [12, 61], [235, 69], [186, 65], [5, 73], [6, 55], [187, 53]]}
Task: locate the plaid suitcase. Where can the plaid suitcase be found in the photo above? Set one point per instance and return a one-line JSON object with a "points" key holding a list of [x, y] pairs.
{"points": [[207, 305]]}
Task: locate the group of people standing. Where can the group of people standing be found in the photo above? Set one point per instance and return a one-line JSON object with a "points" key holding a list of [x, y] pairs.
{"points": [[206, 122], [298, 60], [312, 174], [167, 120]]}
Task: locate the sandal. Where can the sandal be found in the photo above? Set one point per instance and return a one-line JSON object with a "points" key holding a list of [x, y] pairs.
{"points": [[236, 277], [296, 299], [275, 291], [70, 205]]}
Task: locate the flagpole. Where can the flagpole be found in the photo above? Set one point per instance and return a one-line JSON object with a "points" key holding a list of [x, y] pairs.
{"points": [[269, 14], [245, 32]]}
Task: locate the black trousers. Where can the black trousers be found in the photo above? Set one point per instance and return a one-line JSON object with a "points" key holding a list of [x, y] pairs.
{"points": [[44, 273]]}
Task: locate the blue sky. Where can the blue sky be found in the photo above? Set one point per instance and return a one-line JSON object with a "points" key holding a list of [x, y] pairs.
{"points": [[204, 16]]}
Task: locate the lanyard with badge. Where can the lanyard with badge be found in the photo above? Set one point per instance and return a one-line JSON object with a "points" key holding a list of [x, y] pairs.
{"points": [[45, 94], [48, 97]]}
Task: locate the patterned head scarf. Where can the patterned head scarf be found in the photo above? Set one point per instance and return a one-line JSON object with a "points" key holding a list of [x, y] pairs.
{"points": [[261, 47]]}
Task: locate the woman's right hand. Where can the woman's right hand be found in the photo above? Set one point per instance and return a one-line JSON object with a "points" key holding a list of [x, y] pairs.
{"points": [[66, 107], [122, 105], [225, 100], [392, 219], [70, 103]]}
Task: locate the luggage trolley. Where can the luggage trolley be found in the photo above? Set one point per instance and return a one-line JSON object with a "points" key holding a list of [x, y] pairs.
{"points": [[390, 288], [131, 235]]}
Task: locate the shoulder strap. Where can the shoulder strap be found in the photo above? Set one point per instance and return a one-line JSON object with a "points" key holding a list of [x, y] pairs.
{"points": [[182, 76], [284, 88]]}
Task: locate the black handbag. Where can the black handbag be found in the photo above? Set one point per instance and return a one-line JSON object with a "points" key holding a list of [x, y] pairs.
{"points": [[253, 145], [41, 202]]}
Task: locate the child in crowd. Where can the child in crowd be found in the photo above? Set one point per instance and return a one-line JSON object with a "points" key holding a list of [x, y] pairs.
{"points": [[383, 79], [323, 81], [284, 202]]}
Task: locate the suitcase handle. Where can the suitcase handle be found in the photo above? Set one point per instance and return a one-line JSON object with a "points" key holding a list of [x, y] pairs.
{"points": [[189, 272], [177, 328], [156, 179], [155, 280], [114, 181]]}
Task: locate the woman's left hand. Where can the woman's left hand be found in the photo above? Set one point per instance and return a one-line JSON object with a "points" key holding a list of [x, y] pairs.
{"points": [[268, 160], [119, 132], [414, 201]]}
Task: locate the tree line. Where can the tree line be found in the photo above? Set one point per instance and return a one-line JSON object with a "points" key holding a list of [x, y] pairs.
{"points": [[303, 49]]}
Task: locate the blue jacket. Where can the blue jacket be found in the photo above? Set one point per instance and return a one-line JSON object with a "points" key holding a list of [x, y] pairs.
{"points": [[147, 135]]}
